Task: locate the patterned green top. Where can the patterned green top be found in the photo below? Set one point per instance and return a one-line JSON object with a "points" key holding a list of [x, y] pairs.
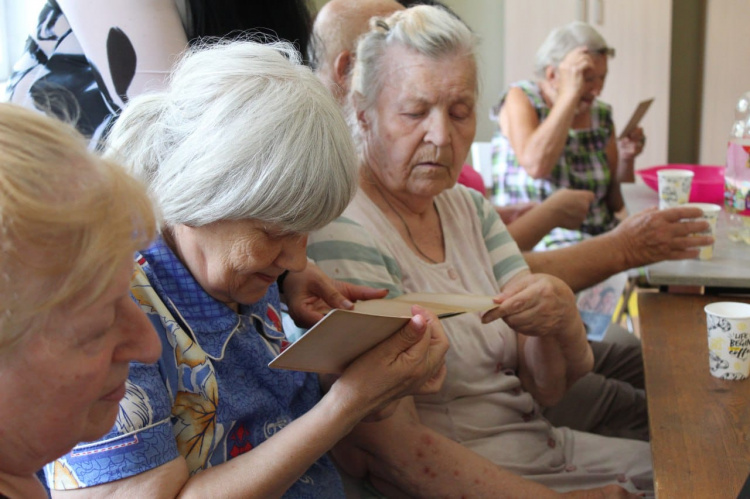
{"points": [[583, 165]]}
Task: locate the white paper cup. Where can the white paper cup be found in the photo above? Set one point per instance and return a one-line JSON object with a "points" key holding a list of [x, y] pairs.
{"points": [[711, 215], [728, 325], [674, 187]]}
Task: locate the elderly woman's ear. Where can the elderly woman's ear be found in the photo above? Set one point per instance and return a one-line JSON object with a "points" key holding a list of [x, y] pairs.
{"points": [[362, 119], [550, 73], [342, 67]]}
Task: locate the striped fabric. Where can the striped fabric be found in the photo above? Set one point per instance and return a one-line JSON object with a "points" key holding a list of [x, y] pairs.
{"points": [[361, 247]]}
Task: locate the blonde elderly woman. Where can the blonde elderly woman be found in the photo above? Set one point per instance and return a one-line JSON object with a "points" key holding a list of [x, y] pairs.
{"points": [[555, 133], [229, 151], [410, 228], [69, 224]]}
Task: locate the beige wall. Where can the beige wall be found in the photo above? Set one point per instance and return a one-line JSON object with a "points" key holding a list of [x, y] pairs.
{"points": [[726, 74]]}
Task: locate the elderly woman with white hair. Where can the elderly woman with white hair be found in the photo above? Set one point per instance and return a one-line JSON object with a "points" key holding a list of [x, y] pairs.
{"points": [[245, 153], [555, 133], [410, 228], [69, 224]]}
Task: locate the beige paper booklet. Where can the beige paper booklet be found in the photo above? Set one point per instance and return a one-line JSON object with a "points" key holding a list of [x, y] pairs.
{"points": [[638, 115], [343, 335]]}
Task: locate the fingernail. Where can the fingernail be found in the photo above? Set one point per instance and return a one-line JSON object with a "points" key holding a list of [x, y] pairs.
{"points": [[418, 322], [347, 304]]}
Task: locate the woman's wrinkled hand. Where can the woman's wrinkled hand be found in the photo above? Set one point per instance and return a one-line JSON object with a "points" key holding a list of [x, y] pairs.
{"points": [[535, 305], [571, 72], [311, 294], [409, 362], [630, 146], [652, 235]]}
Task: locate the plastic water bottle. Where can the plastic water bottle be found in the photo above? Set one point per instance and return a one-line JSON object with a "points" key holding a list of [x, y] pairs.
{"points": [[737, 175]]}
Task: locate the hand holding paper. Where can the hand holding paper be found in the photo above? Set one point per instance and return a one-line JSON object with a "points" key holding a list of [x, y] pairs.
{"points": [[343, 335], [535, 305], [408, 362]]}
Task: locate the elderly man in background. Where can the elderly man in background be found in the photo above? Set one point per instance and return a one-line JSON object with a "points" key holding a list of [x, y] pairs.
{"points": [[614, 391]]}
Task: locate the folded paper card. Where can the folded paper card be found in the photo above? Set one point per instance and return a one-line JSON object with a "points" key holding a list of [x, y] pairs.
{"points": [[343, 335], [638, 115]]}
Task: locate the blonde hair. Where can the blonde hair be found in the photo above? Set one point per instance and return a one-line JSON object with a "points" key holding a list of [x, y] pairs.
{"points": [[68, 219]]}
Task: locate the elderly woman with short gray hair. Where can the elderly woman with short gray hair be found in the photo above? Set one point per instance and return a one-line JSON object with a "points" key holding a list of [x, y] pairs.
{"points": [[555, 133], [411, 228], [244, 153]]}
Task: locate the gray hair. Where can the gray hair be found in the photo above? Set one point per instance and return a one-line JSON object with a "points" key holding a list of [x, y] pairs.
{"points": [[563, 40], [243, 131], [427, 30]]}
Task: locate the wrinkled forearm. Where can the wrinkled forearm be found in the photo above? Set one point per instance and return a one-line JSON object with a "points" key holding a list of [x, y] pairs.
{"points": [[550, 360], [543, 149], [531, 227], [583, 264], [402, 455], [549, 365]]}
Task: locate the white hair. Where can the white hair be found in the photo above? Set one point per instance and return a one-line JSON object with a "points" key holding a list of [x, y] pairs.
{"points": [[428, 30], [243, 131], [563, 40]]}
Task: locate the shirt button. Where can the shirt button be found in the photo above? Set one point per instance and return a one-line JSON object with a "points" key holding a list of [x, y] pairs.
{"points": [[551, 443], [452, 274]]}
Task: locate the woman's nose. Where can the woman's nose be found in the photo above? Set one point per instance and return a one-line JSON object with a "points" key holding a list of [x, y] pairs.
{"points": [[293, 254], [139, 339], [438, 129]]}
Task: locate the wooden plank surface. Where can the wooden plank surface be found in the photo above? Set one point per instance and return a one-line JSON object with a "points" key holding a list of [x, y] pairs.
{"points": [[700, 425]]}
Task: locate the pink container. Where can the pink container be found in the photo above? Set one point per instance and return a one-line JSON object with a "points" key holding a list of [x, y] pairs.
{"points": [[708, 182]]}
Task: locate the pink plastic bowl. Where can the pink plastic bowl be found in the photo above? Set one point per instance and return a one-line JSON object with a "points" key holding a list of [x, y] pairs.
{"points": [[708, 182]]}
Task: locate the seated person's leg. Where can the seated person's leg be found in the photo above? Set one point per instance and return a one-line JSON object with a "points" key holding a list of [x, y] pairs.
{"points": [[612, 395]]}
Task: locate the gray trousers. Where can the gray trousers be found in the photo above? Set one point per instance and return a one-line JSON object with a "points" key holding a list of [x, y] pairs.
{"points": [[610, 400]]}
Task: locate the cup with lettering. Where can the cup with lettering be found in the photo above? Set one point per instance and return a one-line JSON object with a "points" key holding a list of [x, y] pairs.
{"points": [[711, 215], [728, 326], [674, 187]]}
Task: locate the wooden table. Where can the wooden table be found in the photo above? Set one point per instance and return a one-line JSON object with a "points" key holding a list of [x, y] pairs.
{"points": [[729, 268], [700, 425]]}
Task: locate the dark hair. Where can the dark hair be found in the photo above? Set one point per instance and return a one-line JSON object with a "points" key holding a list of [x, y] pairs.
{"points": [[288, 20]]}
